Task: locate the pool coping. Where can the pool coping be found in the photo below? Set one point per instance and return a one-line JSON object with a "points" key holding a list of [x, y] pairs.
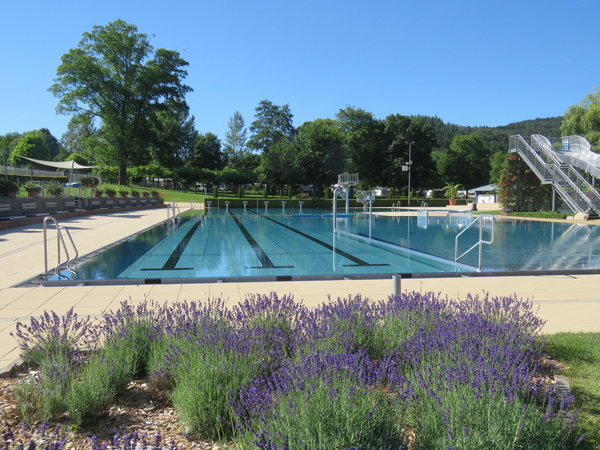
{"points": [[302, 278]]}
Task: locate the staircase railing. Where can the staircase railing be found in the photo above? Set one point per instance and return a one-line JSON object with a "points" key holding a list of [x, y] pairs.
{"points": [[574, 189]]}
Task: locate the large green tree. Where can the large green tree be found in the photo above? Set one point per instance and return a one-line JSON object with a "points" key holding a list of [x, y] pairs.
{"points": [[399, 131], [466, 162], [115, 75], [174, 137], [364, 142], [38, 144], [320, 153], [83, 140], [584, 119], [235, 141], [277, 164], [7, 143], [207, 153], [272, 124]]}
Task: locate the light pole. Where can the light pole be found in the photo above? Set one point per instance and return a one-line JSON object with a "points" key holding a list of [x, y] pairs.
{"points": [[409, 164]]}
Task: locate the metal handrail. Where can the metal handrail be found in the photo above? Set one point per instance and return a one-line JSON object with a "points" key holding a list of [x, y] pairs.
{"points": [[173, 217], [567, 181], [480, 242], [60, 240]]}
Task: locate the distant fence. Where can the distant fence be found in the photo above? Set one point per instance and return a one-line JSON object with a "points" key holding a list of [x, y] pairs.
{"points": [[27, 172], [39, 206]]}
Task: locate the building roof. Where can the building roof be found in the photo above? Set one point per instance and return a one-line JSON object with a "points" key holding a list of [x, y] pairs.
{"points": [[487, 187]]}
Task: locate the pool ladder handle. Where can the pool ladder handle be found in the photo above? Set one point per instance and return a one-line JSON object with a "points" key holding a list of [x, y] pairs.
{"points": [[480, 220], [173, 216], [60, 241]]}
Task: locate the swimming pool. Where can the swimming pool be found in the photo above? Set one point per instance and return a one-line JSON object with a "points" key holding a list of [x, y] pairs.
{"points": [[246, 245]]}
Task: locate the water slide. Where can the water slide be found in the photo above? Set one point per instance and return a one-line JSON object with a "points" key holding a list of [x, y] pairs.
{"points": [[577, 151], [559, 162]]}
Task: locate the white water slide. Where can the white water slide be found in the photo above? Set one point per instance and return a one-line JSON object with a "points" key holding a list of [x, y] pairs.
{"points": [[577, 151], [559, 162]]}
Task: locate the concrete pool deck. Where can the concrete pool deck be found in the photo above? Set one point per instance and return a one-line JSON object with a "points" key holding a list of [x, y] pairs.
{"points": [[566, 302]]}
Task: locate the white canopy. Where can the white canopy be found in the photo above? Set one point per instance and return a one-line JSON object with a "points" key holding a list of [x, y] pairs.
{"points": [[59, 165]]}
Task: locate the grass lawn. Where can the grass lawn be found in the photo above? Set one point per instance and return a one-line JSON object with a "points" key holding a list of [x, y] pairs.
{"points": [[179, 196], [580, 353]]}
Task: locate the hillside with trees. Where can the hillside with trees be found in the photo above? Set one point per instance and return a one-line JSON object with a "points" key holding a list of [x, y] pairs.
{"points": [[495, 139]]}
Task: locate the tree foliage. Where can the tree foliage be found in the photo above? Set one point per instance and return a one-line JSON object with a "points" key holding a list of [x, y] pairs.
{"points": [[364, 142], [319, 153], [207, 153], [399, 132], [235, 140], [38, 144], [584, 119], [115, 75], [174, 138], [519, 189], [84, 139], [466, 162], [272, 124], [277, 164]]}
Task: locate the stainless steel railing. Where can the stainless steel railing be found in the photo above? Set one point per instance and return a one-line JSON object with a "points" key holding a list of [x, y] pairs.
{"points": [[480, 220], [173, 217], [574, 189], [60, 244]]}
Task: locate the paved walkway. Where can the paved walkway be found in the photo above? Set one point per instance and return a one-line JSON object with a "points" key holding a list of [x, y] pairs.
{"points": [[567, 303]]}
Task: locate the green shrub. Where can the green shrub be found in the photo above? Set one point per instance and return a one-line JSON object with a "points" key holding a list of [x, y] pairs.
{"points": [[204, 383], [540, 214], [110, 191], [100, 380], [32, 187], [8, 188], [89, 181], [53, 189]]}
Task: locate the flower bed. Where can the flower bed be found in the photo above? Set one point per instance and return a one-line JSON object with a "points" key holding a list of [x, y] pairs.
{"points": [[412, 371]]}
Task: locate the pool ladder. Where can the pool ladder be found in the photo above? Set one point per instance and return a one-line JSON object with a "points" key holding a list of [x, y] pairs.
{"points": [[480, 220], [173, 217], [60, 243]]}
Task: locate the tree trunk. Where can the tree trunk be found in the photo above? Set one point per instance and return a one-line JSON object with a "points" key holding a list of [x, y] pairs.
{"points": [[122, 173]]}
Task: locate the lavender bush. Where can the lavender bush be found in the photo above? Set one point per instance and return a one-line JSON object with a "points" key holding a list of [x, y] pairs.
{"points": [[50, 335], [324, 400], [40, 438], [415, 370]]}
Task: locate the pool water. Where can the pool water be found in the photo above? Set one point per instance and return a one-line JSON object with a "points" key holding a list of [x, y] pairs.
{"points": [[235, 244], [518, 245]]}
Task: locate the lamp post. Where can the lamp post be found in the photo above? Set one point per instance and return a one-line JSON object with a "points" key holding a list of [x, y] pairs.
{"points": [[409, 164]]}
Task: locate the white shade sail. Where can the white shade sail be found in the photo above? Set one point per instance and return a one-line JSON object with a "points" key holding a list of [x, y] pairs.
{"points": [[59, 165]]}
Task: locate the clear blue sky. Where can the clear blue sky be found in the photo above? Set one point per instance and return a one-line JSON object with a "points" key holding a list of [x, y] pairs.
{"points": [[467, 62]]}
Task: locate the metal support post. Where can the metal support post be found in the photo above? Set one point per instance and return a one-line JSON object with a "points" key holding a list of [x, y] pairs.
{"points": [[397, 284]]}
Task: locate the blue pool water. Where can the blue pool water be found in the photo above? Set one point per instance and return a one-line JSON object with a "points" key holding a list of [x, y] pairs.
{"points": [[238, 244]]}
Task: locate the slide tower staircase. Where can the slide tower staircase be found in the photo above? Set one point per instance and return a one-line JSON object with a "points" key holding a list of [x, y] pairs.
{"points": [[559, 162]]}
